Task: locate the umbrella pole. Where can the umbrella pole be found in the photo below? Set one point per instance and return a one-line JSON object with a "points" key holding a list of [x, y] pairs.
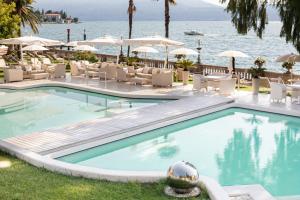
{"points": [[233, 65], [167, 57]]}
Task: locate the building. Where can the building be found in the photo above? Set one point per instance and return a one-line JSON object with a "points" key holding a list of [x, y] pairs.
{"points": [[53, 17]]}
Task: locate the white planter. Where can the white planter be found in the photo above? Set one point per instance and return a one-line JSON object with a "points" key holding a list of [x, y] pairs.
{"points": [[185, 77], [255, 85]]}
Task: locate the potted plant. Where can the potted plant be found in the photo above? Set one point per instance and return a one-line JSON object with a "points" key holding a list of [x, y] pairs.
{"points": [[288, 66], [256, 72], [186, 64]]}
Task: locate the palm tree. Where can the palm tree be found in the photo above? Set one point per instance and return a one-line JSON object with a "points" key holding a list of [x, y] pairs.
{"points": [[167, 15], [26, 13], [131, 10]]}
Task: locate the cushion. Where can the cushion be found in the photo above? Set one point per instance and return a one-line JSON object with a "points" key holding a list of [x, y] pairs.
{"points": [[155, 71], [28, 68], [142, 75], [19, 67], [145, 70]]}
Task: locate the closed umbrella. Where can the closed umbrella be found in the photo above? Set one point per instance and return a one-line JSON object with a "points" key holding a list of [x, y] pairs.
{"points": [[85, 48], [288, 58], [233, 55]]}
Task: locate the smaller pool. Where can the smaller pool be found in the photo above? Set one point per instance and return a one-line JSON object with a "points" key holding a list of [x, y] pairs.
{"points": [[234, 146], [31, 110]]}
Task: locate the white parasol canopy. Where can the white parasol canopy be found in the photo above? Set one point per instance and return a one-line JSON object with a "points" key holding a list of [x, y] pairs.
{"points": [[233, 54], [183, 51], [155, 41], [85, 48], [288, 58], [145, 49], [72, 44], [106, 40], [35, 48], [29, 40]]}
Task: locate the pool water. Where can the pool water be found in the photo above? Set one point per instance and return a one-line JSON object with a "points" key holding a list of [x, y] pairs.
{"points": [[234, 146], [31, 110]]}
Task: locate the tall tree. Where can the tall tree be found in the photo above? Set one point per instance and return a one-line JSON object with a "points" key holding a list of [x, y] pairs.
{"points": [[247, 15], [26, 13], [167, 15], [131, 10], [9, 22]]}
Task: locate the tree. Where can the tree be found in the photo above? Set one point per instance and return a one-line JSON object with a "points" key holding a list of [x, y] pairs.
{"points": [[167, 15], [247, 15], [26, 12], [9, 22], [131, 10]]}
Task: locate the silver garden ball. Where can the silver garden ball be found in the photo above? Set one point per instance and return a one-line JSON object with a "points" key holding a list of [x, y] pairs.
{"points": [[182, 177]]}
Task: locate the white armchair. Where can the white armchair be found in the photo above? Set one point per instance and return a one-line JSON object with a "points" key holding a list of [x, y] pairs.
{"points": [[163, 79], [278, 91], [12, 75], [199, 82], [227, 86]]}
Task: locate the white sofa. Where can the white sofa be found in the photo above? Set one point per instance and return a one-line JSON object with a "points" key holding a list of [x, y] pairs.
{"points": [[162, 79], [13, 75]]}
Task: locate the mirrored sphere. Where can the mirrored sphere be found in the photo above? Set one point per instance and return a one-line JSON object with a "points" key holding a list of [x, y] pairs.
{"points": [[182, 177]]}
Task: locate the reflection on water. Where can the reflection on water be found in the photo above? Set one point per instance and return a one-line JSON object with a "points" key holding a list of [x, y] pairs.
{"points": [[235, 146], [240, 161], [31, 110]]}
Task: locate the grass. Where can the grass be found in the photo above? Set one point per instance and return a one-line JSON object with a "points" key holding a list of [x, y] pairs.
{"points": [[23, 181]]}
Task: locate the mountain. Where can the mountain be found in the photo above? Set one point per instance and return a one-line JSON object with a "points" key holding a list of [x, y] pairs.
{"points": [[146, 9]]}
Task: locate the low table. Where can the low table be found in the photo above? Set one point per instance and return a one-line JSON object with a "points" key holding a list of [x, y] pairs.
{"points": [[39, 76], [140, 81]]}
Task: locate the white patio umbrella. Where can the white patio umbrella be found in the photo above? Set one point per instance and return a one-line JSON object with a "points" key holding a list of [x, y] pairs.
{"points": [[154, 41], [145, 49], [103, 41], [106, 40], [183, 51], [72, 44], [85, 48], [35, 48], [233, 55], [29, 40], [288, 58]]}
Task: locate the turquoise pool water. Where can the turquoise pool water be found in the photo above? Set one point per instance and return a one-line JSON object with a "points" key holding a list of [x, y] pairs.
{"points": [[27, 111], [234, 146]]}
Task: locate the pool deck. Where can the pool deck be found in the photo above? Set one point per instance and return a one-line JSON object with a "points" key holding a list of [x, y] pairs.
{"points": [[190, 104], [75, 137]]}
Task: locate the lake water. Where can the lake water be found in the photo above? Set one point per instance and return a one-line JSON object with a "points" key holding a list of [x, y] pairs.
{"points": [[219, 36]]}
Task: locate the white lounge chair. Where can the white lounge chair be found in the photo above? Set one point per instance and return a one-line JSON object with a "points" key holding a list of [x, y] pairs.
{"points": [[278, 91], [59, 71]]}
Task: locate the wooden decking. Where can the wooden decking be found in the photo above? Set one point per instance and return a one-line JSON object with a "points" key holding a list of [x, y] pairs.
{"points": [[63, 138]]}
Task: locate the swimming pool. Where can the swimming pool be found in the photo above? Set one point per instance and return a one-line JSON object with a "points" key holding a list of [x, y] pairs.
{"points": [[38, 109], [235, 146]]}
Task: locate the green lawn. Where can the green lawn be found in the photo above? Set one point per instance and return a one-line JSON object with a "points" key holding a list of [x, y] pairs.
{"points": [[23, 181]]}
